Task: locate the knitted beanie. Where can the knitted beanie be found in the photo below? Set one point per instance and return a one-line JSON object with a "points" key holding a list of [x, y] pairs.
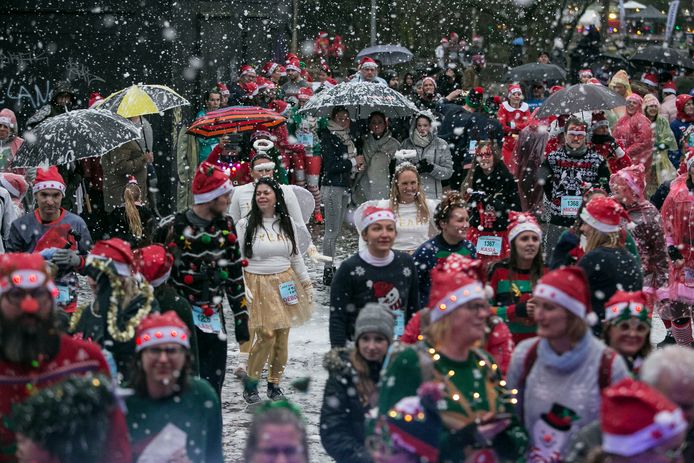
{"points": [[374, 318]]}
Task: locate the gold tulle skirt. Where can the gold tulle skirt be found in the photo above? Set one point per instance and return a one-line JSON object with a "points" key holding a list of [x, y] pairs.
{"points": [[268, 311]]}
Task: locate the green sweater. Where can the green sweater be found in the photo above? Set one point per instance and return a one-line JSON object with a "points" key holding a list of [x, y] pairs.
{"points": [[404, 375], [196, 411]]}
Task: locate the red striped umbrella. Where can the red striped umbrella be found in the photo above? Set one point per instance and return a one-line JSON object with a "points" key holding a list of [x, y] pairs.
{"points": [[234, 119]]}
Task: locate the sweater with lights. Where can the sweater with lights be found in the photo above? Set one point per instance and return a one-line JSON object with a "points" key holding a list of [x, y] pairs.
{"points": [[474, 383]]}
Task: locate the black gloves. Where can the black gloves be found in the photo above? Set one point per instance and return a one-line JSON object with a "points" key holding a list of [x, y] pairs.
{"points": [[424, 166], [241, 328], [674, 253]]}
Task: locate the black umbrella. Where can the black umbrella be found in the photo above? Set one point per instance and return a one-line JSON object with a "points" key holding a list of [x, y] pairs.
{"points": [[532, 72], [78, 134], [580, 97], [660, 56]]}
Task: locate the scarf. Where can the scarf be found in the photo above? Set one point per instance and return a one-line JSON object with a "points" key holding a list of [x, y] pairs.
{"points": [[373, 145], [343, 134], [420, 141], [567, 361], [576, 152]]}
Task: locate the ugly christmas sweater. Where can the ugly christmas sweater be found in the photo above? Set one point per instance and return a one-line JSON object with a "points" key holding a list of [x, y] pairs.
{"points": [[196, 411], [429, 254], [474, 383], [512, 289], [362, 278]]}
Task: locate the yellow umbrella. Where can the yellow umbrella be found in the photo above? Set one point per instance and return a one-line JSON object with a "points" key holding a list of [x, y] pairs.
{"points": [[138, 100]]}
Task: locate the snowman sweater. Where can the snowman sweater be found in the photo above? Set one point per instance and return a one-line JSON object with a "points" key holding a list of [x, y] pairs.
{"points": [[361, 279]]}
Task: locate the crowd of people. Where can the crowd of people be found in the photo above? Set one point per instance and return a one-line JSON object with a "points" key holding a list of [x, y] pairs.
{"points": [[498, 306]]}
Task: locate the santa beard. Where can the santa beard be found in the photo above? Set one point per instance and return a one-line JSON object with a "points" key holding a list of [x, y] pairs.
{"points": [[22, 342]]}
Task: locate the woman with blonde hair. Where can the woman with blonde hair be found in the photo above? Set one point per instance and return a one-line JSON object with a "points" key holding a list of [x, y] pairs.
{"points": [[413, 211], [132, 222]]}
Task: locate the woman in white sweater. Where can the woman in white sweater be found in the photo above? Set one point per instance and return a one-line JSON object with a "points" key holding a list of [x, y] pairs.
{"points": [[413, 211], [277, 284]]}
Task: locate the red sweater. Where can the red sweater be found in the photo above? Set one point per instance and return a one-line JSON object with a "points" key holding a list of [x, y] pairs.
{"points": [[74, 357]]}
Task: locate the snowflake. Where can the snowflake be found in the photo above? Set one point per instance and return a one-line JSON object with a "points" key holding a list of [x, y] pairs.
{"points": [[359, 271], [406, 271]]}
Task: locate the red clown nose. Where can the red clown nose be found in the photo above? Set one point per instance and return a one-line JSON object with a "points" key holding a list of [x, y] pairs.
{"points": [[29, 305]]}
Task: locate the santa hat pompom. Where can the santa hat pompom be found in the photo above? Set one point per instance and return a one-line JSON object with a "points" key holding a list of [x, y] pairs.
{"points": [[592, 318]]}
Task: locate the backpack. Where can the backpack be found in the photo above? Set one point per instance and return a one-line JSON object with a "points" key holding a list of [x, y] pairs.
{"points": [[604, 372]]}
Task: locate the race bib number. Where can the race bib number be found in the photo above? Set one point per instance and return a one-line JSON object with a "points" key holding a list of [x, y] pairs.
{"points": [[305, 138], [570, 205], [211, 324], [63, 295], [288, 293], [472, 146], [399, 328], [689, 276], [489, 245]]}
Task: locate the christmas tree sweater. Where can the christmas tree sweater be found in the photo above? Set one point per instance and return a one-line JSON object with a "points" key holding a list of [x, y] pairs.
{"points": [[511, 292], [565, 176], [196, 412], [429, 254], [473, 388], [392, 282], [207, 259]]}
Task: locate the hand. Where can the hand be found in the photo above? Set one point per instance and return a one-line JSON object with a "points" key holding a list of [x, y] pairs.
{"points": [[308, 288], [149, 156], [454, 94], [360, 162], [490, 427], [424, 166], [66, 258], [530, 308], [241, 328]]}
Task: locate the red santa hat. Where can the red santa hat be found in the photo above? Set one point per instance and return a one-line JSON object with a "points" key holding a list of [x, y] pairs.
{"points": [[154, 263], [262, 83], [15, 184], [26, 271], [635, 417], [305, 93], [451, 288], [598, 119], [624, 305], [453, 36], [650, 79], [293, 65], [250, 88], [323, 35], [161, 328], [117, 251], [283, 70], [567, 287], [371, 214], [209, 183], [367, 63], [223, 89], [604, 214], [669, 87], [514, 88], [94, 98], [634, 176], [520, 222], [49, 179], [555, 88], [281, 107], [269, 68], [246, 69], [585, 73]]}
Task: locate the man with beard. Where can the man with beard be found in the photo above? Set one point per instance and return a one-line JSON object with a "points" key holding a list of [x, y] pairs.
{"points": [[34, 354], [207, 265], [61, 236]]}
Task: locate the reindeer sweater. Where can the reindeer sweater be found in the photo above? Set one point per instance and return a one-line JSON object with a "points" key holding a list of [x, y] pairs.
{"points": [[566, 174]]}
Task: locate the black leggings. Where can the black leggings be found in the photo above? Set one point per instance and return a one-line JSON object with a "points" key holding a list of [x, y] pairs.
{"points": [[212, 353]]}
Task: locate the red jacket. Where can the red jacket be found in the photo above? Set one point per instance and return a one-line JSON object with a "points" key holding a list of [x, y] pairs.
{"points": [[74, 357]]}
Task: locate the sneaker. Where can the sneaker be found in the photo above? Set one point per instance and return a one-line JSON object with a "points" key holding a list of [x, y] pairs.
{"points": [[318, 217], [251, 396], [328, 273], [274, 392]]}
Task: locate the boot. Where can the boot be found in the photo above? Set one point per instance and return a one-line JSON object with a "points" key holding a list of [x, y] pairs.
{"points": [[250, 394], [274, 392], [328, 273]]}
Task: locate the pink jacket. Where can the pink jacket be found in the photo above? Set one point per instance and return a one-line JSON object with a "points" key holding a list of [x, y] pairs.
{"points": [[668, 108], [635, 134]]}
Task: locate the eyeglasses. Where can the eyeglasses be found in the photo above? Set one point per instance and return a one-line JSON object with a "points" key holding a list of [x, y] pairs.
{"points": [[291, 453], [485, 154], [626, 325], [171, 352], [16, 295]]}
